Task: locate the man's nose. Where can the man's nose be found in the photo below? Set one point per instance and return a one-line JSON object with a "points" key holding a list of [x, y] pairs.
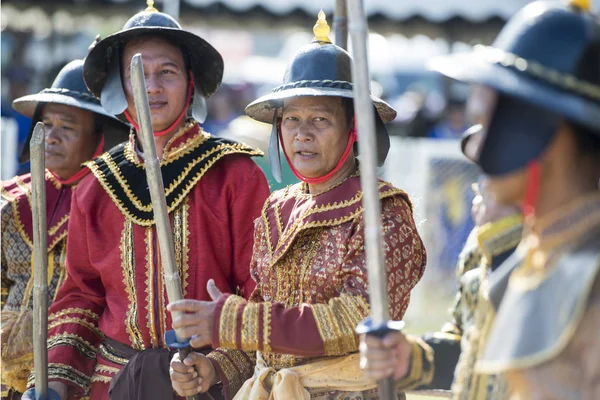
{"points": [[304, 132], [153, 84], [52, 135]]}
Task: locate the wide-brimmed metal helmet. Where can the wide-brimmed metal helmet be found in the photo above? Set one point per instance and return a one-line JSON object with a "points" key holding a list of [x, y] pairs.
{"points": [[69, 89], [102, 69], [543, 69], [317, 69]]}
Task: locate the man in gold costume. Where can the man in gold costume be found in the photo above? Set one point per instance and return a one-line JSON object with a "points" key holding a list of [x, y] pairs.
{"points": [[449, 356], [295, 337]]}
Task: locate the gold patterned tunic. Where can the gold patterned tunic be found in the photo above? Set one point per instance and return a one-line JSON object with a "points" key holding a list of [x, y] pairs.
{"points": [[312, 289], [17, 278], [449, 356]]}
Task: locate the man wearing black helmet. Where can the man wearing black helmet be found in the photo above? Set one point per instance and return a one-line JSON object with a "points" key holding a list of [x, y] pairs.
{"points": [[447, 359], [296, 334], [77, 130], [537, 96], [108, 324]]}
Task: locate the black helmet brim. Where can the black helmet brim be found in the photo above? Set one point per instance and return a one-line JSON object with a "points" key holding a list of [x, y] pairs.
{"points": [[205, 61]]}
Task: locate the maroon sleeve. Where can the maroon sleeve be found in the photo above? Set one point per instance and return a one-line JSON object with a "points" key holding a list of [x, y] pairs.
{"points": [[247, 197], [73, 334]]}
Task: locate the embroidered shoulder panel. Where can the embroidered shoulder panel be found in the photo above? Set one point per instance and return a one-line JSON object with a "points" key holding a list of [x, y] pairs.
{"points": [[288, 212], [124, 180], [17, 192]]}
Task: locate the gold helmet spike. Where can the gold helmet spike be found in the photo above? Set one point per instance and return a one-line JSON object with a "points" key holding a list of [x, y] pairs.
{"points": [[321, 29], [150, 7], [584, 5]]}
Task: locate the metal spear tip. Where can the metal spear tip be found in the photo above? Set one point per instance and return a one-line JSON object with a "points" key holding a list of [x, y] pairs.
{"points": [[136, 60], [38, 136]]}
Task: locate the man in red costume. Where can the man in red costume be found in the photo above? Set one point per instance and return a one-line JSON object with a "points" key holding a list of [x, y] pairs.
{"points": [[76, 125], [298, 328], [111, 311]]}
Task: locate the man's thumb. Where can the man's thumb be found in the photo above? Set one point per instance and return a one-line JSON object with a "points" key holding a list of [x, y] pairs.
{"points": [[213, 290]]}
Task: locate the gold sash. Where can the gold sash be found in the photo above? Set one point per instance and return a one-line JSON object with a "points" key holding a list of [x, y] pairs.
{"points": [[339, 373]]}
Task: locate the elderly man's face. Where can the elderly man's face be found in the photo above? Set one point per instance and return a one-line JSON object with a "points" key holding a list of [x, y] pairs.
{"points": [[315, 133], [166, 79], [70, 138]]}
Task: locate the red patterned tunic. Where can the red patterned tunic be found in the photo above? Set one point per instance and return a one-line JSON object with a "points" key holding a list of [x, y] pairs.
{"points": [[115, 287], [312, 290]]}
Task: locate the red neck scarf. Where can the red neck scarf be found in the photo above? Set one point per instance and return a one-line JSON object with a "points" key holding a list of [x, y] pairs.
{"points": [[532, 190], [83, 171], [315, 181], [177, 121]]}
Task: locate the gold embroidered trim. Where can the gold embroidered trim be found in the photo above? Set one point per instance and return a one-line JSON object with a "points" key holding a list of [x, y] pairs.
{"points": [[17, 216], [79, 321], [250, 327], [301, 188], [15, 209], [52, 231], [73, 310], [101, 378], [336, 322], [243, 364], [170, 155], [53, 180], [68, 373], [150, 287], [416, 373], [278, 212], [228, 367], [181, 234], [284, 243], [128, 267], [106, 368], [496, 237], [73, 340], [106, 352], [265, 221], [162, 308], [228, 326], [266, 339], [62, 258], [226, 149]]}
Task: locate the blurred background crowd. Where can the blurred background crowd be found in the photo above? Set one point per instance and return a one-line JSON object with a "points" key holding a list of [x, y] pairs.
{"points": [[256, 39]]}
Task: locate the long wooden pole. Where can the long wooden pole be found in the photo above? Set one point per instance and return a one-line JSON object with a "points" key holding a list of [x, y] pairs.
{"points": [[157, 194], [37, 151], [340, 24], [367, 143]]}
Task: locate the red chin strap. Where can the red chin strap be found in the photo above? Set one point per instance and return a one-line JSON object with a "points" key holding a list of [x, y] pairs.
{"points": [[82, 172], [177, 121], [314, 181], [532, 190]]}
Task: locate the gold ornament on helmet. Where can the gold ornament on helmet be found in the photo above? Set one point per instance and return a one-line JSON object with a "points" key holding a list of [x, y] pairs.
{"points": [[584, 5], [150, 7], [321, 29]]}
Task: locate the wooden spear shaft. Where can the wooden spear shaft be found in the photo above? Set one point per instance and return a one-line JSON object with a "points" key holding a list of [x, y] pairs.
{"points": [[37, 151], [367, 143], [157, 193]]}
